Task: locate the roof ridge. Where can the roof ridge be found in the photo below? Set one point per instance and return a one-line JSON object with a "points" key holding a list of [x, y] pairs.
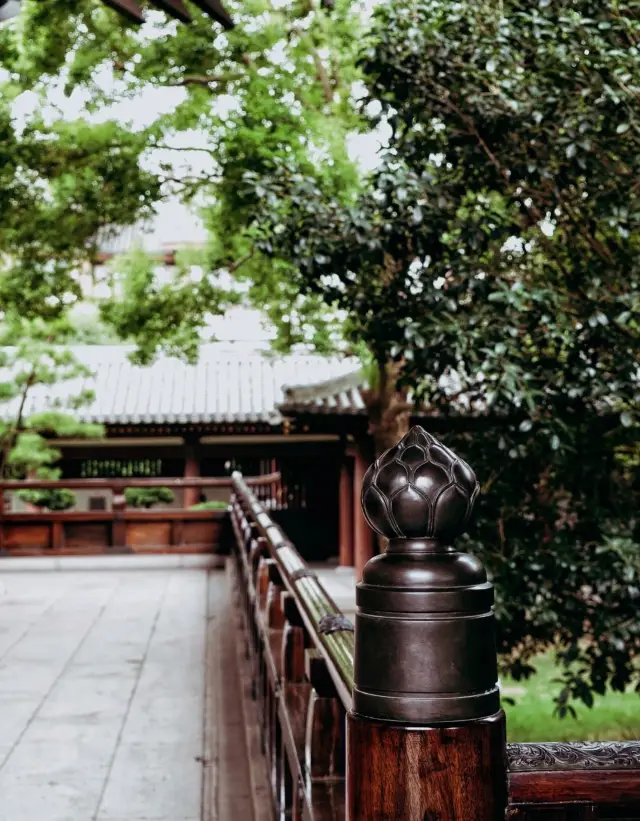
{"points": [[328, 387]]}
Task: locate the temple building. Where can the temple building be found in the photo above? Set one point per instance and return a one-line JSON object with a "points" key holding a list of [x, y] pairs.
{"points": [[236, 409]]}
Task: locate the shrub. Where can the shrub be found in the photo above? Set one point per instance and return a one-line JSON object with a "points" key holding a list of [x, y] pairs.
{"points": [[210, 505], [147, 497], [55, 499]]}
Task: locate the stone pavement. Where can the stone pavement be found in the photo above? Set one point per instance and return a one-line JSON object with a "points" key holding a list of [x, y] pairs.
{"points": [[103, 691]]}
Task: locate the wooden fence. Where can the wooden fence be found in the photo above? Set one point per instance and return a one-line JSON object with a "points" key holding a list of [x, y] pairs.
{"points": [[400, 720], [120, 529]]}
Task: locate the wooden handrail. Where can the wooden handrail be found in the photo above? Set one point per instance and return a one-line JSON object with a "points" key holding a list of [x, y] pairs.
{"points": [[121, 484], [330, 631]]}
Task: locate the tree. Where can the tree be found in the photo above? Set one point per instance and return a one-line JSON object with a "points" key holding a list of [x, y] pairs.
{"points": [[491, 267], [56, 499], [34, 357], [63, 184], [281, 84]]}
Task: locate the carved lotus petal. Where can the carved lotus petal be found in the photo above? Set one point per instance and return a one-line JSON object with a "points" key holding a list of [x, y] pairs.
{"points": [[412, 513]]}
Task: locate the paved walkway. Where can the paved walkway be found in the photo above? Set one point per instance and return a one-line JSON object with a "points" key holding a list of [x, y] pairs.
{"points": [[103, 692]]}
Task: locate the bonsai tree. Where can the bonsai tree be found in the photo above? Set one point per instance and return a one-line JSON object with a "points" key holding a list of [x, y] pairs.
{"points": [[147, 497], [56, 499]]}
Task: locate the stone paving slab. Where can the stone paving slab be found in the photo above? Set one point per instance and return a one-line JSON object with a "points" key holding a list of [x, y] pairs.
{"points": [[102, 692]]}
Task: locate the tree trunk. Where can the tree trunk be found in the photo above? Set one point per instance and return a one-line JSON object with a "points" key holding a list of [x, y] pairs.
{"points": [[12, 434], [389, 411], [389, 414]]}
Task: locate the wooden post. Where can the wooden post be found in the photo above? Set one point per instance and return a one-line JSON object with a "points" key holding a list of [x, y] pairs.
{"points": [[1, 518], [119, 525], [191, 470], [346, 515], [426, 735], [57, 535], [363, 542]]}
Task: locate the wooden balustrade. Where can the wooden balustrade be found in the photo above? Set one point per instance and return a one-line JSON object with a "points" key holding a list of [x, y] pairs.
{"points": [[119, 529], [402, 721]]}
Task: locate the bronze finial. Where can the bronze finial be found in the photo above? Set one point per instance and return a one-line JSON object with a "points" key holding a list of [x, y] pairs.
{"points": [[419, 489], [425, 648]]}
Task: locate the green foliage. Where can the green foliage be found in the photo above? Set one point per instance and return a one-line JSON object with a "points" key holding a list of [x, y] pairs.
{"points": [[55, 499], [34, 357], [491, 265], [147, 497], [212, 504], [279, 86], [60, 185], [157, 314]]}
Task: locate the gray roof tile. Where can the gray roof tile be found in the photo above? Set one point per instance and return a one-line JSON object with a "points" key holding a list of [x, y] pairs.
{"points": [[227, 384]]}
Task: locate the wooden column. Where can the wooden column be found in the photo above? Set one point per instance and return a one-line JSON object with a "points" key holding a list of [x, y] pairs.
{"points": [[363, 540], [346, 514], [1, 518], [191, 470], [426, 738], [119, 524]]}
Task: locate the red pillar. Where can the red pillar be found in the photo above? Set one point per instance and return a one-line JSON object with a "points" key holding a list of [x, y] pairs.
{"points": [[346, 515], [191, 470], [363, 539]]}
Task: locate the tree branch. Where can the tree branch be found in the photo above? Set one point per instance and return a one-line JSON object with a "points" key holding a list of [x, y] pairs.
{"points": [[201, 80], [239, 262]]}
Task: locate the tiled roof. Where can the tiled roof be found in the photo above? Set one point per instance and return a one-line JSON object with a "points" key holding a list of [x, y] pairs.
{"points": [[226, 385], [338, 395], [342, 395]]}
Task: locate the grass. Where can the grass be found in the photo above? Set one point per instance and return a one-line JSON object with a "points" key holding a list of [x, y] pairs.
{"points": [[614, 716]]}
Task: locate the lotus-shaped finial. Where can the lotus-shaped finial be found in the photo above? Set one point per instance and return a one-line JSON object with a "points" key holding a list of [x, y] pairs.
{"points": [[419, 489]]}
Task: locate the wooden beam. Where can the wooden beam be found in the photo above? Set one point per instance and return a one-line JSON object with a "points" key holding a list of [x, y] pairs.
{"points": [[128, 8], [191, 470], [216, 10], [175, 8]]}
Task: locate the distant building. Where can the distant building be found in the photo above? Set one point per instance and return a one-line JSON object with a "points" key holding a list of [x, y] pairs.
{"points": [[227, 412]]}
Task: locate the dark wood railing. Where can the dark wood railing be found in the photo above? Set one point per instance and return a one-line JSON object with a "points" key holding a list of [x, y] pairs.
{"points": [[405, 711], [302, 651], [120, 528]]}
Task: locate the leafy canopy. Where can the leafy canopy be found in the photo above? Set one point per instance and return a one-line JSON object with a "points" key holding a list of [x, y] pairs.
{"points": [[281, 85], [491, 266]]}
